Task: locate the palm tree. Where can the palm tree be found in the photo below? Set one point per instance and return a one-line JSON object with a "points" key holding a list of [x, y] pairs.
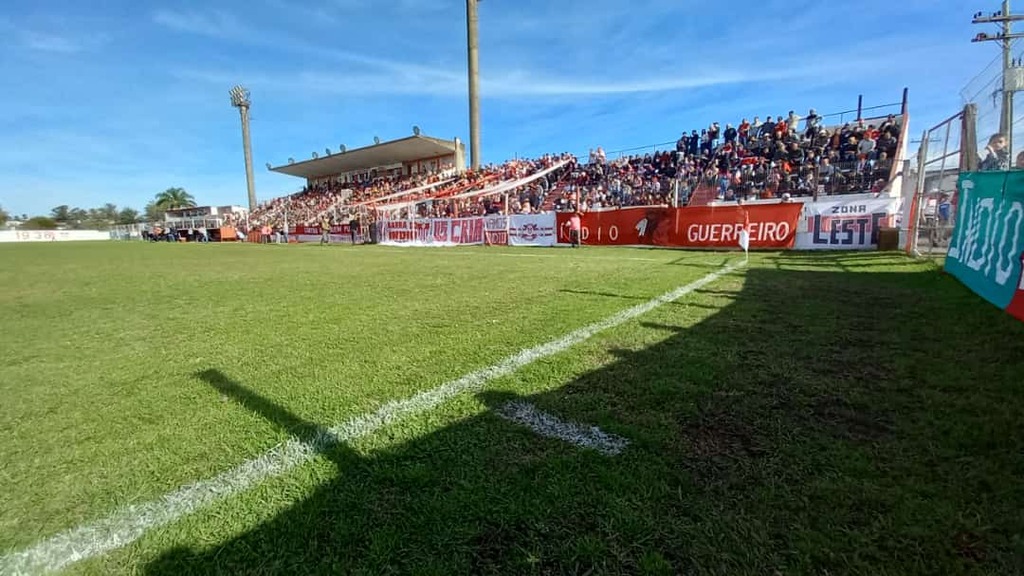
{"points": [[61, 213], [153, 212], [76, 218], [175, 198]]}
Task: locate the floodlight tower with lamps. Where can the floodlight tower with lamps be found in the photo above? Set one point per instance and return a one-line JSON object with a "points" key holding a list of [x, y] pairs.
{"points": [[240, 100], [472, 47]]}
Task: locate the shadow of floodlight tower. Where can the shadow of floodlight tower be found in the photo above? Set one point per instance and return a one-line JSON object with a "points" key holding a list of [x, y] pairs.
{"points": [[240, 99]]}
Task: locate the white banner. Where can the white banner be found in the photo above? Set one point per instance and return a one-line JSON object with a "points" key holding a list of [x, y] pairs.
{"points": [[496, 230], [838, 224], [433, 232], [532, 230], [53, 235]]}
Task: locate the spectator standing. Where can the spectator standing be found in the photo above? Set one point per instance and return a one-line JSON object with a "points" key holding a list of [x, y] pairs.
{"points": [[353, 228], [575, 226], [813, 124], [995, 156], [730, 134], [325, 231], [793, 121]]}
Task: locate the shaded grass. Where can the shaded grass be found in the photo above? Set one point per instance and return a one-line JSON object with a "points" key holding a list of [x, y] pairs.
{"points": [[837, 413]]}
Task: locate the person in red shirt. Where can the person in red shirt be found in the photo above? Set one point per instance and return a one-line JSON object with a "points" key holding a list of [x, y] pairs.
{"points": [[575, 225]]}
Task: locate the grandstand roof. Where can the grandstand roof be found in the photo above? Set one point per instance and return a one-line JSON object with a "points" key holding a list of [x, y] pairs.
{"points": [[402, 150]]}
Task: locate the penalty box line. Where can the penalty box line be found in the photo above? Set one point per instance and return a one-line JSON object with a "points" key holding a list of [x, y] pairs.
{"points": [[127, 524]]}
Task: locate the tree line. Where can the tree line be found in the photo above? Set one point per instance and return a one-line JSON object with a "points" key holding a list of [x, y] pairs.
{"points": [[103, 217]]}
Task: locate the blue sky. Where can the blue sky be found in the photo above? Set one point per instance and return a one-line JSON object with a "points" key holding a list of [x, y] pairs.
{"points": [[116, 102]]}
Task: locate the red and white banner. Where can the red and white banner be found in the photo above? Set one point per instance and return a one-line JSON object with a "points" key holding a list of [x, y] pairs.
{"points": [[433, 232], [771, 226], [845, 224], [496, 230], [340, 233], [532, 230]]}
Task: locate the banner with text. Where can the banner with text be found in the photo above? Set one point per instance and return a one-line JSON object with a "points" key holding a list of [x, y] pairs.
{"points": [[53, 235], [433, 232], [840, 224], [496, 230], [340, 233], [771, 226], [531, 230], [986, 252]]}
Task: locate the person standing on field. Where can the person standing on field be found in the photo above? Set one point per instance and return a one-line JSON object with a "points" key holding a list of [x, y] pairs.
{"points": [[575, 225], [325, 231]]}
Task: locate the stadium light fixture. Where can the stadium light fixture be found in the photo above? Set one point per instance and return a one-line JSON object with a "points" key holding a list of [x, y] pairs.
{"points": [[268, 166], [342, 148], [327, 151], [376, 139], [240, 99], [416, 130], [315, 155]]}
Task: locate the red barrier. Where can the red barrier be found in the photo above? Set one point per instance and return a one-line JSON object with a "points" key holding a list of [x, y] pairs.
{"points": [[771, 226], [1016, 307]]}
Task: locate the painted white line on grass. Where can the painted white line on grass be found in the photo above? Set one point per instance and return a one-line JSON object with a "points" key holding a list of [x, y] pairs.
{"points": [[526, 255], [128, 524], [546, 425]]}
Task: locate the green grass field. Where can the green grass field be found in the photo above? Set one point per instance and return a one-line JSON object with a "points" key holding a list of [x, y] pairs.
{"points": [[807, 414]]}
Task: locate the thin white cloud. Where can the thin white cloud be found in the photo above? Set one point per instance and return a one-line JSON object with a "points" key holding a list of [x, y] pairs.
{"points": [[223, 26], [60, 43], [214, 24], [412, 79], [50, 43]]}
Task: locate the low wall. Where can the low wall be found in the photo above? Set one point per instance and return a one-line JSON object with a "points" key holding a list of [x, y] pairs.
{"points": [[52, 235], [986, 252]]}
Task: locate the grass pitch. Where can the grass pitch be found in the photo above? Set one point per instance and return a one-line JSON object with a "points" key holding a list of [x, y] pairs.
{"points": [[839, 413]]}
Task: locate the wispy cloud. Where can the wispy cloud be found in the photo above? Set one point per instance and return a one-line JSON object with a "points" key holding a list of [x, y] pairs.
{"points": [[61, 43], [51, 43], [214, 24], [413, 79]]}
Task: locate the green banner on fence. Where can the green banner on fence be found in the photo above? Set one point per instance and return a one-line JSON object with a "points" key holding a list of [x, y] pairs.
{"points": [[987, 249]]}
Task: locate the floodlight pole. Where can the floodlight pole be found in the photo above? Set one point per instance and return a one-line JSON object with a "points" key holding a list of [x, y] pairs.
{"points": [[473, 44], [1011, 76], [240, 100]]}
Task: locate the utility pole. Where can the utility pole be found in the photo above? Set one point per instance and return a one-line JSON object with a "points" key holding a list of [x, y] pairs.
{"points": [[473, 44], [1013, 80], [240, 100]]}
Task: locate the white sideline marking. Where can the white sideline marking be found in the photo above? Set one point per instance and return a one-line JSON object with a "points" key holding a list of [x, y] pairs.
{"points": [[526, 255], [124, 526], [549, 426]]}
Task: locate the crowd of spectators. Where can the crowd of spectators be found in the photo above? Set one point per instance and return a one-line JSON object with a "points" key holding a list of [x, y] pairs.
{"points": [[751, 160], [779, 157], [524, 199], [309, 205]]}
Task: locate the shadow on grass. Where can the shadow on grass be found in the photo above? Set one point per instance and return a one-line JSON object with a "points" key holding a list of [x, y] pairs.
{"points": [[802, 429]]}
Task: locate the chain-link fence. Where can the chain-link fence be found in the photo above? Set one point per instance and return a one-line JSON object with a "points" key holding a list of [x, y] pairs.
{"points": [[970, 138]]}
